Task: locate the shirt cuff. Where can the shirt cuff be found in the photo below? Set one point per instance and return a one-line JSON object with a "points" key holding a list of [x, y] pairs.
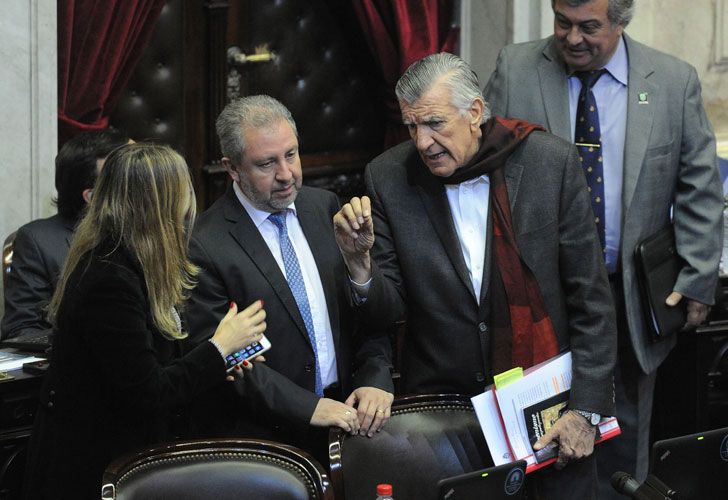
{"points": [[360, 290]]}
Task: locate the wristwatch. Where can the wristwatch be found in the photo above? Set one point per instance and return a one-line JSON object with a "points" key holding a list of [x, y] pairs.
{"points": [[592, 418]]}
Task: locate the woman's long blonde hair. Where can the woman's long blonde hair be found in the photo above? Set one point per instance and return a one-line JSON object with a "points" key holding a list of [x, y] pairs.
{"points": [[143, 202]]}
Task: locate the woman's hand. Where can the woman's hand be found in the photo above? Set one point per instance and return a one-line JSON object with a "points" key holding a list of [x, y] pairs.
{"points": [[246, 365], [238, 329]]}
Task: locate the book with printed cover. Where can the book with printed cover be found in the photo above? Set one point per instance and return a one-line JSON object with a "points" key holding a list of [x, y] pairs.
{"points": [[541, 416], [513, 417]]}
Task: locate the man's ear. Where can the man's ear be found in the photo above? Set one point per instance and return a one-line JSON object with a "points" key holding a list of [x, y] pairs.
{"points": [[86, 194], [477, 108], [231, 170]]}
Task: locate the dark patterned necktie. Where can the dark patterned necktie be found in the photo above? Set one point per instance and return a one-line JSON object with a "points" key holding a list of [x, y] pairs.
{"points": [[297, 286], [588, 140]]}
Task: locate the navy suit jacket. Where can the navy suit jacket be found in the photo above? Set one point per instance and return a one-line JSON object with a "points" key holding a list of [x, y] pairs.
{"points": [[278, 397], [39, 252]]}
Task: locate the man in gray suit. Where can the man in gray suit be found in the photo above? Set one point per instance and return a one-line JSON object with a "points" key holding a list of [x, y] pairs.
{"points": [[658, 158], [480, 233]]}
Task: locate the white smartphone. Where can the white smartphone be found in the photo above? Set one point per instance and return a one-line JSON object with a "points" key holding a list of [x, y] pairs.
{"points": [[247, 352]]}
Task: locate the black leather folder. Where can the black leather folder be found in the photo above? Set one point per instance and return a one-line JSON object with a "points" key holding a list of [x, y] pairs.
{"points": [[658, 264]]}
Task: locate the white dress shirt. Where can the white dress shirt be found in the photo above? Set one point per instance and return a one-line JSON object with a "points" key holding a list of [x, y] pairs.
{"points": [[610, 92], [311, 279], [469, 207]]}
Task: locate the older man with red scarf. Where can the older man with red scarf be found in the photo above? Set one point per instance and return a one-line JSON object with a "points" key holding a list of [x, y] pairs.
{"points": [[480, 233]]}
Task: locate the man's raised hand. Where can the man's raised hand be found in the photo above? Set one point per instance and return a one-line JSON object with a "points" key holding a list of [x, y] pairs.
{"points": [[354, 231]]}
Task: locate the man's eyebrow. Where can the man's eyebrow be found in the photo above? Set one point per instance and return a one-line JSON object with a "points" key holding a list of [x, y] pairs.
{"points": [[426, 119], [560, 17]]}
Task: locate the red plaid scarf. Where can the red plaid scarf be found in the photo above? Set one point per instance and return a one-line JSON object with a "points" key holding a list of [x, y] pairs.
{"points": [[522, 331]]}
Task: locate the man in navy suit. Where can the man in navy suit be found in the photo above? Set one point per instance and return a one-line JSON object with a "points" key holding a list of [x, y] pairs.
{"points": [[269, 237], [41, 246]]}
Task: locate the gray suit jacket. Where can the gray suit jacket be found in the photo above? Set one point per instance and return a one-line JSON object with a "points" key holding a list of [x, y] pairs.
{"points": [[39, 252], [669, 162], [420, 272]]}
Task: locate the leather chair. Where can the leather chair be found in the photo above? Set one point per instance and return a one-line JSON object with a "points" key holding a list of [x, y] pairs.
{"points": [[217, 469], [427, 438], [7, 256]]}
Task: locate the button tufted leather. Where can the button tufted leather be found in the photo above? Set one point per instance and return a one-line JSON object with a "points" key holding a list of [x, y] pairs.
{"points": [[151, 107], [323, 72]]}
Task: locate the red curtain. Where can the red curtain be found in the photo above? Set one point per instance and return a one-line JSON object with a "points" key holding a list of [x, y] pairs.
{"points": [[99, 44], [399, 32]]}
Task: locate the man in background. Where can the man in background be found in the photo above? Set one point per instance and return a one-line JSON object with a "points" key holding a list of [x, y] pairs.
{"points": [[648, 153], [480, 233], [41, 246], [269, 237]]}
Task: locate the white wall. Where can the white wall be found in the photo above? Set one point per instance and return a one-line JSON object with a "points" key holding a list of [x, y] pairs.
{"points": [[483, 31], [28, 100]]}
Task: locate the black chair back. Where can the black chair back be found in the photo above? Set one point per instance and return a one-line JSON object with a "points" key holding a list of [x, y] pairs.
{"points": [[427, 438], [218, 469]]}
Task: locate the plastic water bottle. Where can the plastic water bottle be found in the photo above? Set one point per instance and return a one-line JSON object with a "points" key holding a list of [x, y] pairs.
{"points": [[384, 492]]}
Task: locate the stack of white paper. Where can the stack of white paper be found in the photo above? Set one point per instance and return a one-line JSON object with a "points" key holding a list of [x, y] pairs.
{"points": [[10, 359]]}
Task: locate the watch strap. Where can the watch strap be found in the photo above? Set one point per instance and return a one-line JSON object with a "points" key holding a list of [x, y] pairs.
{"points": [[592, 418]]}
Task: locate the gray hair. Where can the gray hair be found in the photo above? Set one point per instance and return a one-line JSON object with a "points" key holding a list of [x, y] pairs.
{"points": [[459, 78], [256, 111], [619, 12]]}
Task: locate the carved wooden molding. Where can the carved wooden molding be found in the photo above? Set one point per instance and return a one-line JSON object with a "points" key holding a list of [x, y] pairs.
{"points": [[720, 42]]}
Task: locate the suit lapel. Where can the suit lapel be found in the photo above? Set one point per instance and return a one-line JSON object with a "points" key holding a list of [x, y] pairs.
{"points": [[487, 259], [247, 236], [434, 200], [639, 117], [513, 173], [554, 92]]}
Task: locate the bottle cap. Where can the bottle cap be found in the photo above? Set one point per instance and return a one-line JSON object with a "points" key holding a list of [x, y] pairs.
{"points": [[384, 489]]}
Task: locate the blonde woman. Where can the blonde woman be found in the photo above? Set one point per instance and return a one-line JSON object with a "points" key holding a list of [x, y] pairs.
{"points": [[115, 377]]}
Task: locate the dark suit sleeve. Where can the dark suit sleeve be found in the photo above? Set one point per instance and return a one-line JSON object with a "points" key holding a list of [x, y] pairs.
{"points": [[264, 387], [28, 289], [386, 302], [698, 201], [276, 393], [589, 303], [496, 90], [113, 316], [373, 363]]}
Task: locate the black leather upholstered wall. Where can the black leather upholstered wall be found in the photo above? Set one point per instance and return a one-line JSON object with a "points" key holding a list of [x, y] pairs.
{"points": [[151, 107], [323, 72]]}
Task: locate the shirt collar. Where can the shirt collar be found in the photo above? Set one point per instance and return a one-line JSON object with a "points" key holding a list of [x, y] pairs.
{"points": [[473, 181], [618, 65], [258, 216]]}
